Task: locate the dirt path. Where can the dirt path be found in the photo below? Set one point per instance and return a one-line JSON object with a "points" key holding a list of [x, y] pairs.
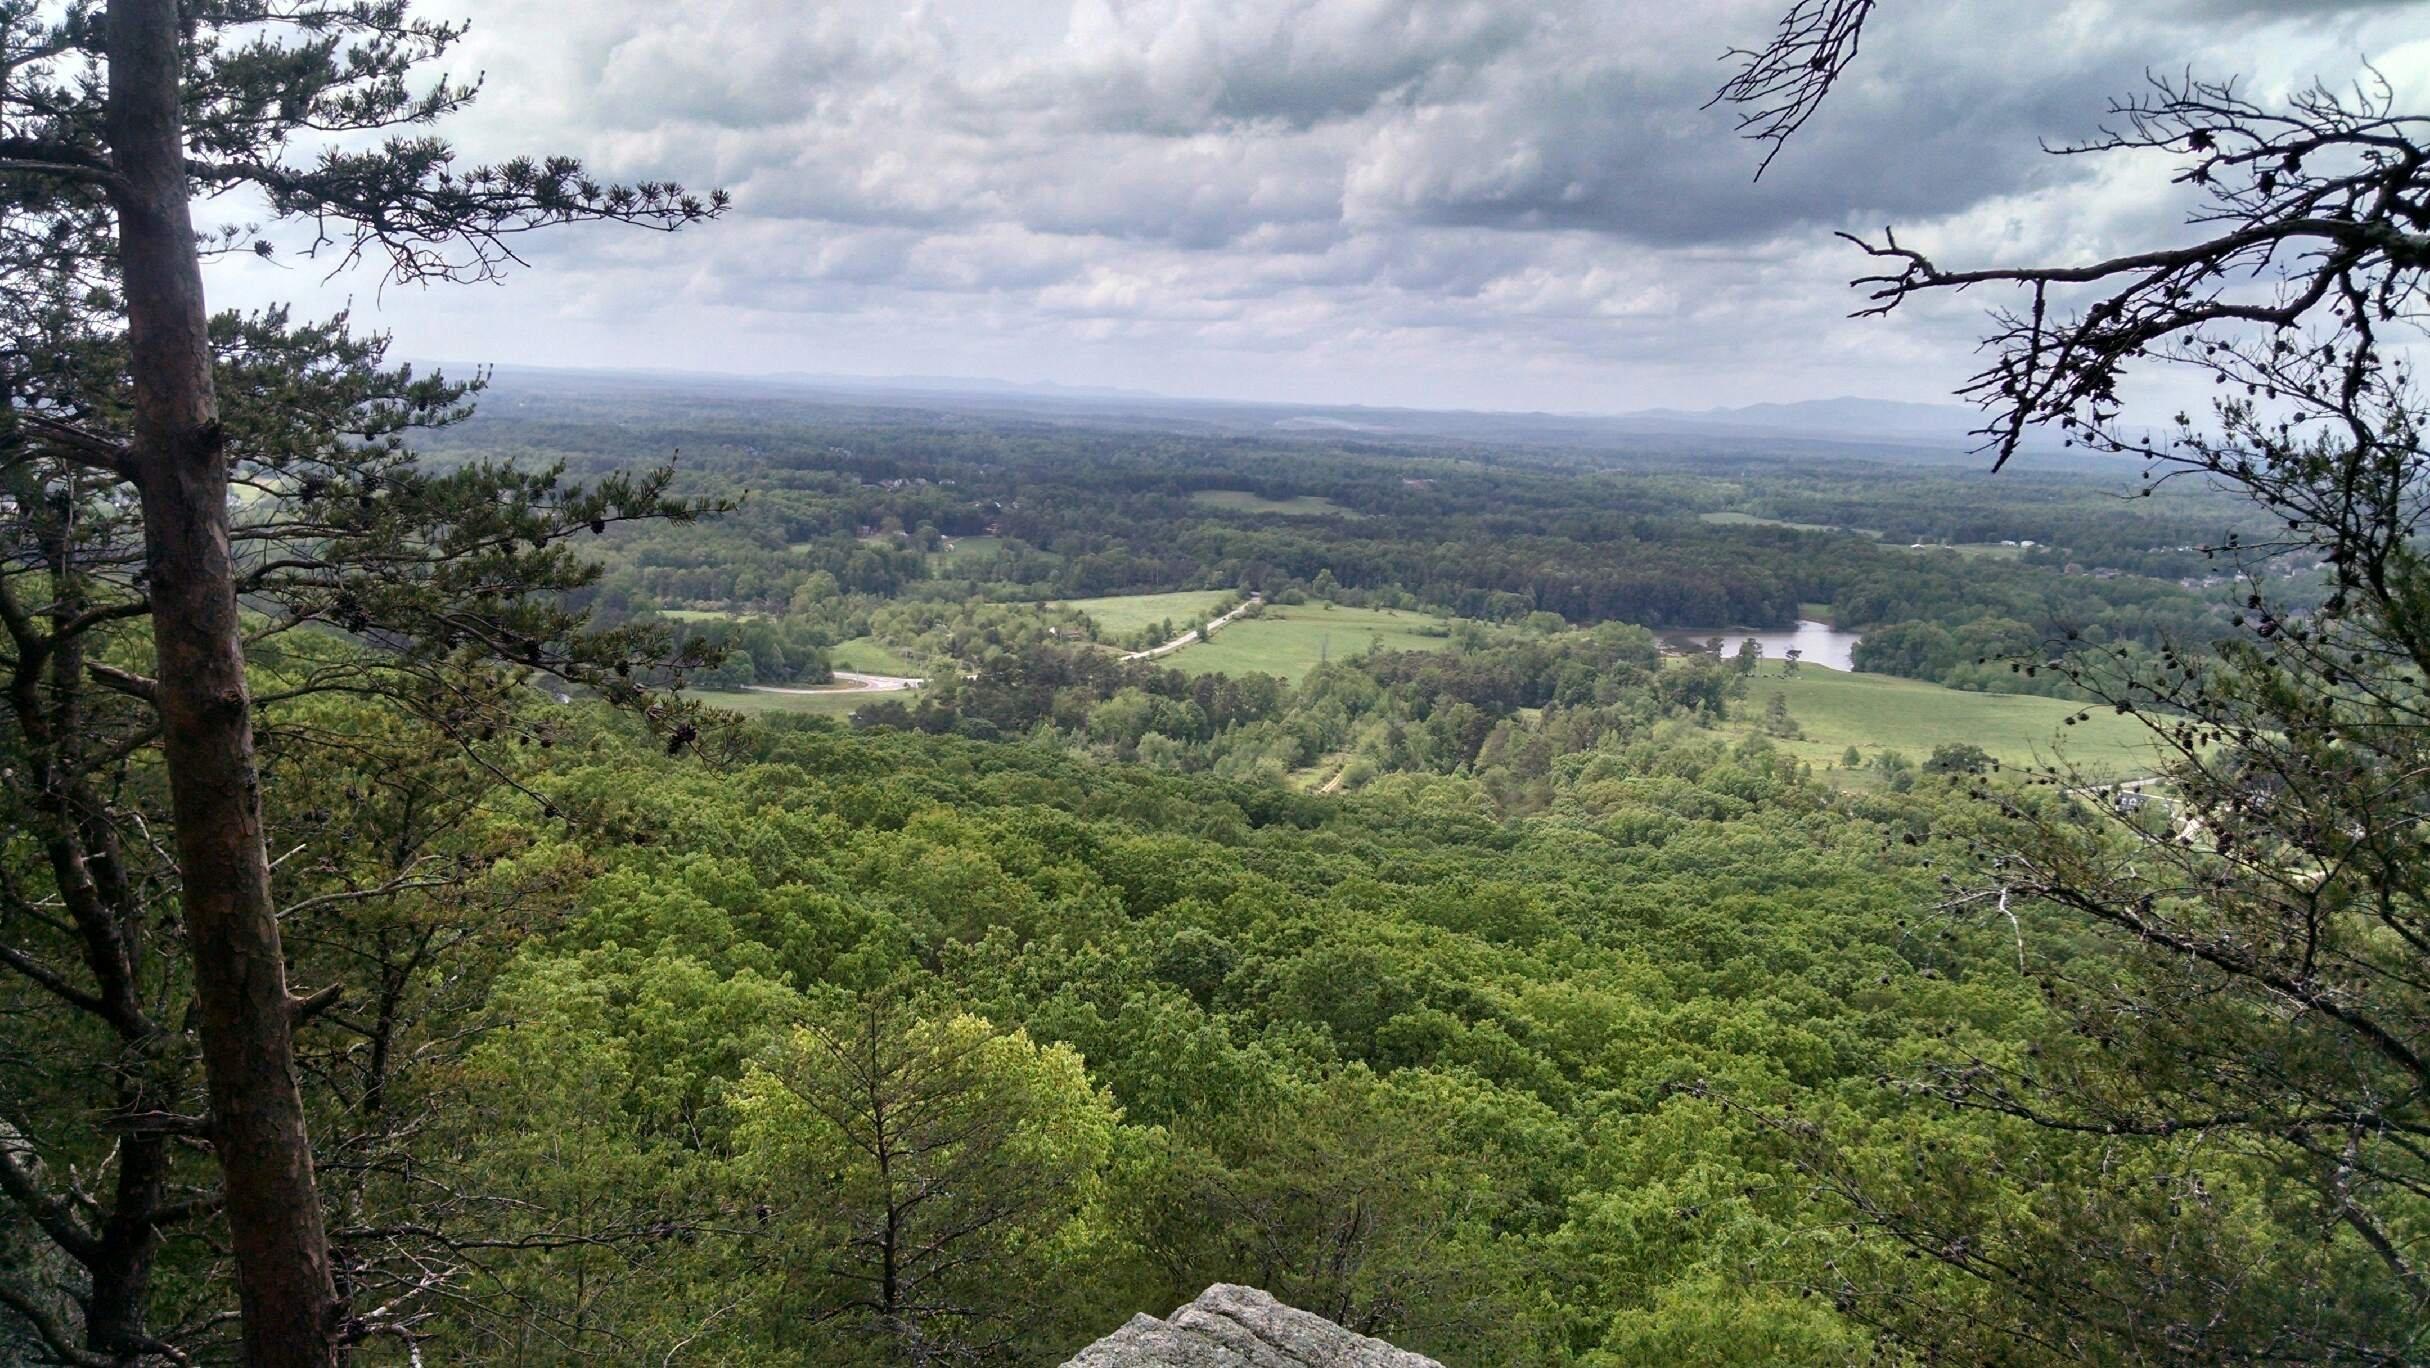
{"points": [[849, 682], [1187, 638]]}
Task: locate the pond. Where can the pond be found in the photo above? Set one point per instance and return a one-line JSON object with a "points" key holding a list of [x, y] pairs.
{"points": [[1817, 643]]}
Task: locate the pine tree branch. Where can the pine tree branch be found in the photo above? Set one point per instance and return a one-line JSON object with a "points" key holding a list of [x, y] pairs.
{"points": [[41, 157], [52, 1214], [90, 449], [56, 1335]]}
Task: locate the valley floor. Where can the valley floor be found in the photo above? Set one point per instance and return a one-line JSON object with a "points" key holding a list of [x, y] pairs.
{"points": [[1835, 710]]}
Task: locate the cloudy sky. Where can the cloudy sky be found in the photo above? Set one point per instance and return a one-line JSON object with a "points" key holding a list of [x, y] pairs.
{"points": [[1438, 203]]}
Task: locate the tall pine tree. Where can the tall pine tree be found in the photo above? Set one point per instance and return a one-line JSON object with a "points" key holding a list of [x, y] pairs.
{"points": [[129, 415]]}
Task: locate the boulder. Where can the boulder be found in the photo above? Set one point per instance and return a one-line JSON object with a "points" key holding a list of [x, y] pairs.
{"points": [[1241, 1327]]}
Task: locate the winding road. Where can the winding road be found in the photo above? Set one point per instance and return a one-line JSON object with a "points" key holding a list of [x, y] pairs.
{"points": [[1182, 641], [848, 681], [851, 682]]}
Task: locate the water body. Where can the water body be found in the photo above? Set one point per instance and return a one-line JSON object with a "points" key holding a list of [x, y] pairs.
{"points": [[1817, 643]]}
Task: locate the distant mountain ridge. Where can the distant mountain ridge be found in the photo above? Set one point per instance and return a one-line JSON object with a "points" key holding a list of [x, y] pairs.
{"points": [[957, 384], [1847, 425], [1846, 416]]}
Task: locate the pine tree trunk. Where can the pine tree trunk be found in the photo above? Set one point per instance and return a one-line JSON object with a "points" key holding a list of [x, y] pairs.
{"points": [[284, 1286]]}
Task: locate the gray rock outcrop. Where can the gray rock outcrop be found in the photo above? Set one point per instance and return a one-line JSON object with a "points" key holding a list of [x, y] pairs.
{"points": [[1241, 1327]]}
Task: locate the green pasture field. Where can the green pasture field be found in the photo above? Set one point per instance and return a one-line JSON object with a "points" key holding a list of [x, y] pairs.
{"points": [[1981, 550], [1123, 614], [1750, 520], [966, 549], [1290, 641], [868, 655], [825, 703], [1883, 712], [1298, 506]]}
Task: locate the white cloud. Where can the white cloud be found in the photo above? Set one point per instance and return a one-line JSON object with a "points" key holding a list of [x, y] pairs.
{"points": [[1470, 202]]}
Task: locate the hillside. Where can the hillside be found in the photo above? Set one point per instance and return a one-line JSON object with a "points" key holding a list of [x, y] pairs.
{"points": [[1214, 684]]}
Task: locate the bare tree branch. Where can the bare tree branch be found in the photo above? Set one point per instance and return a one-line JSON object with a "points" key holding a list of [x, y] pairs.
{"points": [[1781, 85]]}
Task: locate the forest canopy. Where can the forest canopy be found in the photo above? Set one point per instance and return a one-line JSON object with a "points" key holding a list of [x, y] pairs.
{"points": [[565, 867]]}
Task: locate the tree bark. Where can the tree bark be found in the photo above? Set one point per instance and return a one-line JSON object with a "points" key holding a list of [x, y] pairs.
{"points": [[284, 1286], [124, 1252]]}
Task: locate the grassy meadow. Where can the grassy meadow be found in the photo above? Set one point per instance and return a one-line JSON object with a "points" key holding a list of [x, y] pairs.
{"points": [[1882, 712], [1979, 550], [1290, 641], [964, 549], [868, 655], [821, 703], [1298, 506], [1123, 614], [1751, 520]]}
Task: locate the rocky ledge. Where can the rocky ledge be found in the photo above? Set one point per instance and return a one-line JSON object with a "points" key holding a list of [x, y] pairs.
{"points": [[1241, 1327]]}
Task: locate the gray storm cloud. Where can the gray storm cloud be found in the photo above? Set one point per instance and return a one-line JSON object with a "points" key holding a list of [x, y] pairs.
{"points": [[1404, 201]]}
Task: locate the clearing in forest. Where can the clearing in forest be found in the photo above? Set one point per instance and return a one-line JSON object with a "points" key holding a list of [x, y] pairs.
{"points": [[958, 550], [1875, 712], [1291, 640], [1752, 520], [1978, 550], [1297, 506], [868, 655], [1121, 615], [836, 702]]}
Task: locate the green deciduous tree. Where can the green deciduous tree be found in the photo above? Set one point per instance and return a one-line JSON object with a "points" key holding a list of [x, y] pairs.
{"points": [[1373, 1203], [931, 1188]]}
